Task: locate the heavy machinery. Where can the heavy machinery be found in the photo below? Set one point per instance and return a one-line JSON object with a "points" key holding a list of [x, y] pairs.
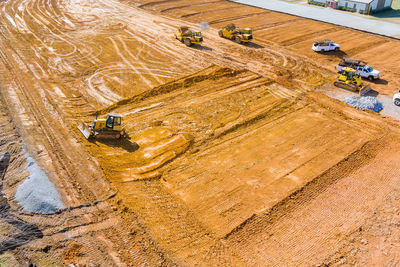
{"points": [[239, 35], [110, 127], [361, 67], [187, 36], [349, 79]]}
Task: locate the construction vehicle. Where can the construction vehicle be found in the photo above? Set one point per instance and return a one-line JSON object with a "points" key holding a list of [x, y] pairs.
{"points": [[239, 35], [326, 45], [361, 67], [110, 127], [187, 36], [349, 79]]}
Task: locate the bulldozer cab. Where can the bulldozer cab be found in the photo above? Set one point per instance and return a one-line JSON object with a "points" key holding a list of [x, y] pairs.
{"points": [[348, 74], [113, 121]]}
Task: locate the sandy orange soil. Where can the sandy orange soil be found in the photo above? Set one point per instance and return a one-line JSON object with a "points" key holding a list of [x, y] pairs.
{"points": [[232, 157]]}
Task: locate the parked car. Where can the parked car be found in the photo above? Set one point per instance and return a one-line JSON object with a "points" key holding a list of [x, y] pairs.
{"points": [[324, 46]]}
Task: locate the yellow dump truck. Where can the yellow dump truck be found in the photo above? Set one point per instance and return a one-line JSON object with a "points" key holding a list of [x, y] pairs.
{"points": [[187, 36], [237, 34]]}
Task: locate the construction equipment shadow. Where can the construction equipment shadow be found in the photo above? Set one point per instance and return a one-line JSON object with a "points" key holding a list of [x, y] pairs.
{"points": [[201, 47], [372, 93], [123, 143], [253, 45], [379, 81]]}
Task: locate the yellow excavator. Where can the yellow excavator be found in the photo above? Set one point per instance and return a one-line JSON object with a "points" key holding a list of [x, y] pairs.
{"points": [[349, 79], [110, 127]]}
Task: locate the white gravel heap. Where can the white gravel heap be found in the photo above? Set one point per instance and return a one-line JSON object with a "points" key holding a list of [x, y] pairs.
{"points": [[37, 194], [364, 103]]}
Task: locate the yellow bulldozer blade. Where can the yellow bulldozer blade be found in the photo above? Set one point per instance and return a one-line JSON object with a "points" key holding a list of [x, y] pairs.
{"points": [[364, 90], [85, 130]]}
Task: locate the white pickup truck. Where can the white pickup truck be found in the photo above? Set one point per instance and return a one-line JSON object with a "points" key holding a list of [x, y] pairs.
{"points": [[361, 68], [325, 46]]}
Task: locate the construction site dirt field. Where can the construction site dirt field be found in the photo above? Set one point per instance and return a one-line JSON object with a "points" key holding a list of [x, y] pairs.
{"points": [[233, 154]]}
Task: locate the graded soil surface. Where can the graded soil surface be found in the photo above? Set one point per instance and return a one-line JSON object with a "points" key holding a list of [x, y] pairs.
{"points": [[232, 155]]}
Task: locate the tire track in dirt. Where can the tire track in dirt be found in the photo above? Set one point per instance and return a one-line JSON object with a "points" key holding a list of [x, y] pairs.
{"points": [[191, 5], [207, 12], [238, 17], [366, 47], [149, 4], [307, 36]]}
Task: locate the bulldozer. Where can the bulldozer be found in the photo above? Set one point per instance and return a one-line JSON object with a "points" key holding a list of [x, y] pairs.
{"points": [[349, 79], [110, 127], [239, 35], [187, 36]]}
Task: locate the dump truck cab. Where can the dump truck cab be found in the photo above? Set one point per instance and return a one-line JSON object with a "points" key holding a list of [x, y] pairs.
{"points": [[239, 35], [188, 37]]}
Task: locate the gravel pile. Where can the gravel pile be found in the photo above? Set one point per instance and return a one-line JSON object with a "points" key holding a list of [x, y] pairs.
{"points": [[364, 103], [37, 194]]}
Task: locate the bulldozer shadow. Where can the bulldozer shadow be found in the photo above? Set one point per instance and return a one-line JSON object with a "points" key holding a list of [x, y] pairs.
{"points": [[372, 93], [123, 142]]}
